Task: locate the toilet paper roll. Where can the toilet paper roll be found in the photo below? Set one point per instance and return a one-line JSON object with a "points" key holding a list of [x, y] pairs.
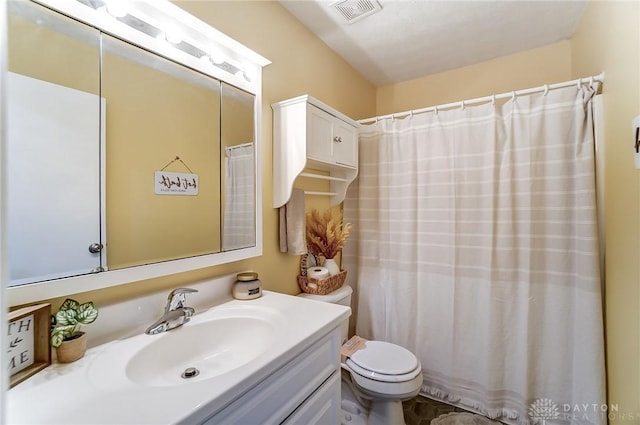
{"points": [[318, 272]]}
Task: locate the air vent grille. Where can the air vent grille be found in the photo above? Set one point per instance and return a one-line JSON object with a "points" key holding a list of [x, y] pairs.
{"points": [[354, 10]]}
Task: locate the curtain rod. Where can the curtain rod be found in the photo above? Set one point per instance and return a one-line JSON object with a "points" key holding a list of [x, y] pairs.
{"points": [[242, 145], [463, 103]]}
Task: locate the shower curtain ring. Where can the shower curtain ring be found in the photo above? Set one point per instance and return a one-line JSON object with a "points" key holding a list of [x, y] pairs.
{"points": [[513, 95], [591, 81], [435, 108], [493, 99], [462, 105], [546, 89]]}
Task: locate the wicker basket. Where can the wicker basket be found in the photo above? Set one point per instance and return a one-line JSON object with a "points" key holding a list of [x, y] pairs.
{"points": [[314, 286]]}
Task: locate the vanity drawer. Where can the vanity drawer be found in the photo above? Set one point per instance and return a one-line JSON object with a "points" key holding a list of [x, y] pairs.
{"points": [[323, 407], [275, 398]]}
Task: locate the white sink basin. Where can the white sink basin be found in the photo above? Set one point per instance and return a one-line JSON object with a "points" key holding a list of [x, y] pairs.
{"points": [[214, 343], [213, 347]]}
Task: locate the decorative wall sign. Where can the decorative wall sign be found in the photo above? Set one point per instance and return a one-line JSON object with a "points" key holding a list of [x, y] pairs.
{"points": [[168, 183], [28, 347]]}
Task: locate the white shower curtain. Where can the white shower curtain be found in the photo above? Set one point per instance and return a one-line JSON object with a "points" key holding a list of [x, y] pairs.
{"points": [[239, 198], [477, 250]]}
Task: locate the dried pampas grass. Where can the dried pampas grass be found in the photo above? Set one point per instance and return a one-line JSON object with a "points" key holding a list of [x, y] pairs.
{"points": [[326, 234]]}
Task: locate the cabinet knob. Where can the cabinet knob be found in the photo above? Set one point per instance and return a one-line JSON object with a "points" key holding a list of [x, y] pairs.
{"points": [[337, 139], [94, 248]]}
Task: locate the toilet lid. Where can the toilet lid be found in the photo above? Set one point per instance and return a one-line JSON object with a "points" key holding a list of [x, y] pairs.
{"points": [[383, 358]]}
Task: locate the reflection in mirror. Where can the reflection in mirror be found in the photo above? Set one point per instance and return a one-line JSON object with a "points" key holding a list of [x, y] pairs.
{"points": [[239, 190], [158, 111], [103, 136], [53, 146]]}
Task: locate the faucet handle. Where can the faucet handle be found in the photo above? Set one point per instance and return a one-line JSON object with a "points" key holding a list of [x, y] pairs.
{"points": [[177, 298]]}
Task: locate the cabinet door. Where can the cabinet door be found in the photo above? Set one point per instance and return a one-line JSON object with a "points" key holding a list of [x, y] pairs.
{"points": [[53, 145], [319, 134], [345, 143]]}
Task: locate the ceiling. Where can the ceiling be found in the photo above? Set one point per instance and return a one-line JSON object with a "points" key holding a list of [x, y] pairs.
{"points": [[413, 38]]}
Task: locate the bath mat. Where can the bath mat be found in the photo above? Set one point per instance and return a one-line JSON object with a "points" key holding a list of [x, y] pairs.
{"points": [[456, 418]]}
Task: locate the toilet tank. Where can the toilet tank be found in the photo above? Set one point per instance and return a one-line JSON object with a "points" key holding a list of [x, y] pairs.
{"points": [[340, 296]]}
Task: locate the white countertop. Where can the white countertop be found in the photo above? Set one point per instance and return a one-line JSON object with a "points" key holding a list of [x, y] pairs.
{"points": [[86, 392]]}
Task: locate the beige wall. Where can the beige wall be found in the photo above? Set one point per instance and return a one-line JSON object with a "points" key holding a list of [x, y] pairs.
{"points": [[608, 39], [532, 68]]}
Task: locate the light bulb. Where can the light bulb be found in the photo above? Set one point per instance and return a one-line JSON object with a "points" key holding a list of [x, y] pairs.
{"points": [[173, 36], [217, 57], [241, 74], [116, 8]]}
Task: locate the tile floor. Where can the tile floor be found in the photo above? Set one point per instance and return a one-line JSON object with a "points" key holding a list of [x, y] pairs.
{"points": [[421, 410]]}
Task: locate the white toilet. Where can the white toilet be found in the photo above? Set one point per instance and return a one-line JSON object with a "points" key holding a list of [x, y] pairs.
{"points": [[376, 379]]}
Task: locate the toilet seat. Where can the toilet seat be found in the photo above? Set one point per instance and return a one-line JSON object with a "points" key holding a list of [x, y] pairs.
{"points": [[385, 362], [386, 374]]}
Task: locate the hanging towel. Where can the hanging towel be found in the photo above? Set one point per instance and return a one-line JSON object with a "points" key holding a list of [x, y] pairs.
{"points": [[293, 225]]}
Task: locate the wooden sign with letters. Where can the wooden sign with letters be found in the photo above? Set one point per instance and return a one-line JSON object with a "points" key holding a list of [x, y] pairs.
{"points": [[28, 348], [168, 183]]}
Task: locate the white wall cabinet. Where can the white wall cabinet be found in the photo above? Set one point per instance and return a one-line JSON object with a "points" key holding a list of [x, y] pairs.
{"points": [[308, 134], [330, 139]]}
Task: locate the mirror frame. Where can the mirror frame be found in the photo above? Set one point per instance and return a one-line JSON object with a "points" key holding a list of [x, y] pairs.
{"points": [[164, 15]]}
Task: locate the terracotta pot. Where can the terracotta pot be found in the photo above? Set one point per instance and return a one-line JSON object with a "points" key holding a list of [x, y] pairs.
{"points": [[72, 350]]}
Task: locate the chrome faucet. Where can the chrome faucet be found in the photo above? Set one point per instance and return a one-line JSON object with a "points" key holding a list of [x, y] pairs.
{"points": [[175, 312]]}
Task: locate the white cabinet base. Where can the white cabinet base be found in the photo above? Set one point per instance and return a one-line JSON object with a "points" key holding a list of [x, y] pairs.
{"points": [[302, 385]]}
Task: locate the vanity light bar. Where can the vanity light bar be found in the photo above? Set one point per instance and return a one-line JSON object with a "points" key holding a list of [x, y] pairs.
{"points": [[145, 24], [150, 26]]}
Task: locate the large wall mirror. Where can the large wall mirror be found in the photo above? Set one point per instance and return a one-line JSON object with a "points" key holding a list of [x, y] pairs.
{"points": [[123, 163]]}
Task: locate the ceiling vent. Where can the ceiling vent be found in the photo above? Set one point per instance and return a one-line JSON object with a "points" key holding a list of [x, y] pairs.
{"points": [[354, 10]]}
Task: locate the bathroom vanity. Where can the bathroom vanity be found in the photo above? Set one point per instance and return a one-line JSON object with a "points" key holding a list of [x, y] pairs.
{"points": [[272, 360]]}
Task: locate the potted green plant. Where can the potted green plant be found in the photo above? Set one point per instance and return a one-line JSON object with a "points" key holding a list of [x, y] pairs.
{"points": [[71, 343]]}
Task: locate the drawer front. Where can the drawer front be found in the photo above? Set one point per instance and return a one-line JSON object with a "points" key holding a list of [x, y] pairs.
{"points": [[272, 400], [322, 408]]}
